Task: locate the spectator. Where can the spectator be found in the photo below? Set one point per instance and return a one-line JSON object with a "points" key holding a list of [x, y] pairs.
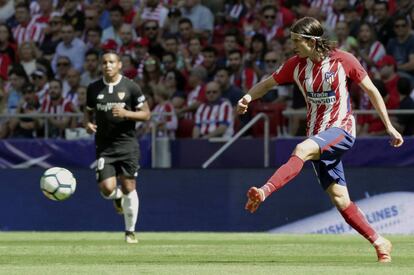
{"points": [[171, 45], [185, 31], [383, 22], [193, 56], [103, 14], [7, 50], [73, 79], [165, 119], [387, 66], [26, 30], [345, 41], [405, 123], [81, 105], [56, 104], [214, 118], [369, 50], [210, 62], [129, 10], [91, 72], [152, 33], [117, 19], [74, 16], [93, 39], [152, 72], [174, 83], [242, 77], [231, 43], [128, 66], [27, 55], [52, 38], [91, 21], [71, 47], [128, 37], [368, 11], [26, 127], [227, 89], [18, 79], [255, 57], [6, 10], [196, 96], [41, 85], [402, 47], [279, 94], [154, 10], [63, 65], [169, 61], [172, 22], [200, 16], [273, 23]]}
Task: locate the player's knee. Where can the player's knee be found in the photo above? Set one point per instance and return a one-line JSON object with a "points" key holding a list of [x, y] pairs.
{"points": [[341, 201], [128, 185], [128, 189], [304, 151], [105, 191]]}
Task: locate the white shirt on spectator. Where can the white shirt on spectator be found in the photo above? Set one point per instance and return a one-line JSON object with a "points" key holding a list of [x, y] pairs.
{"points": [[200, 16], [7, 11], [75, 51]]}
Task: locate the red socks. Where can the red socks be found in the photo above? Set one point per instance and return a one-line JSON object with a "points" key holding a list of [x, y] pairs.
{"points": [[355, 218], [283, 175]]}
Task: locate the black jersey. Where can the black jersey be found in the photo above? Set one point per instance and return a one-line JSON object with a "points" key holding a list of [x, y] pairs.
{"points": [[114, 134]]}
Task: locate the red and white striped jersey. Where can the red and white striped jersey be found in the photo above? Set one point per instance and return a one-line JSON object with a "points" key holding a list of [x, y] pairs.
{"points": [[324, 86], [63, 106], [210, 116], [376, 52], [170, 118], [158, 14], [244, 80], [31, 32]]}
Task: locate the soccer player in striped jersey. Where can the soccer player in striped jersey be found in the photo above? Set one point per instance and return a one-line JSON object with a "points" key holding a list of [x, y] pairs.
{"points": [[321, 72]]}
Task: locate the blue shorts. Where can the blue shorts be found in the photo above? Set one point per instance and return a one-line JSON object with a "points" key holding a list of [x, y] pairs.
{"points": [[333, 143]]}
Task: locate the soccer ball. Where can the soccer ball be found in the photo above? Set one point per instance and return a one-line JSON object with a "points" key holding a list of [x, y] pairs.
{"points": [[57, 183]]}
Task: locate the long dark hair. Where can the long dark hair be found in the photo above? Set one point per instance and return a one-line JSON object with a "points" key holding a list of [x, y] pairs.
{"points": [[312, 27]]}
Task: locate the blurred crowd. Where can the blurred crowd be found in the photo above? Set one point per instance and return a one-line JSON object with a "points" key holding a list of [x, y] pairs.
{"points": [[192, 59]]}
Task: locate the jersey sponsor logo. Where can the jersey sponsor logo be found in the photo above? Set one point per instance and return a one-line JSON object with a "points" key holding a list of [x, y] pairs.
{"points": [[327, 97], [108, 106], [121, 95], [329, 77], [100, 96]]}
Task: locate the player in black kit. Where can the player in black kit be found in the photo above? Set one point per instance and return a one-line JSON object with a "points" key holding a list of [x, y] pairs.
{"points": [[117, 103]]}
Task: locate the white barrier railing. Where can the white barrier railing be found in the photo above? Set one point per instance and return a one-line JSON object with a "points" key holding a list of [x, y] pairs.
{"points": [[253, 121]]}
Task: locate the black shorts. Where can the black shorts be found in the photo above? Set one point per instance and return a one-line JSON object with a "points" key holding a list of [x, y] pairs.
{"points": [[115, 165]]}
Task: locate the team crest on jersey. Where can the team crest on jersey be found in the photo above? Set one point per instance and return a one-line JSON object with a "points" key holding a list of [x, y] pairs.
{"points": [[121, 95], [329, 77], [100, 96]]}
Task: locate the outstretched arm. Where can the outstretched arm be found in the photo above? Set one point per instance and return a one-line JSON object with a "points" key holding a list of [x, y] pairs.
{"points": [[257, 91], [377, 101]]}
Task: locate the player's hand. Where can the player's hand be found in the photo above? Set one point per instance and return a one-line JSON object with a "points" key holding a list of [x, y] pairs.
{"points": [[243, 104], [118, 111], [396, 138], [91, 128]]}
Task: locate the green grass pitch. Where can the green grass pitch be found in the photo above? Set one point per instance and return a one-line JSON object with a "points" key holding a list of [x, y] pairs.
{"points": [[197, 253]]}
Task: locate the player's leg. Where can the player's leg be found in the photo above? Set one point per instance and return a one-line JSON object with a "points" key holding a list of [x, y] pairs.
{"points": [[128, 171], [306, 150], [356, 218], [130, 205], [106, 176]]}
